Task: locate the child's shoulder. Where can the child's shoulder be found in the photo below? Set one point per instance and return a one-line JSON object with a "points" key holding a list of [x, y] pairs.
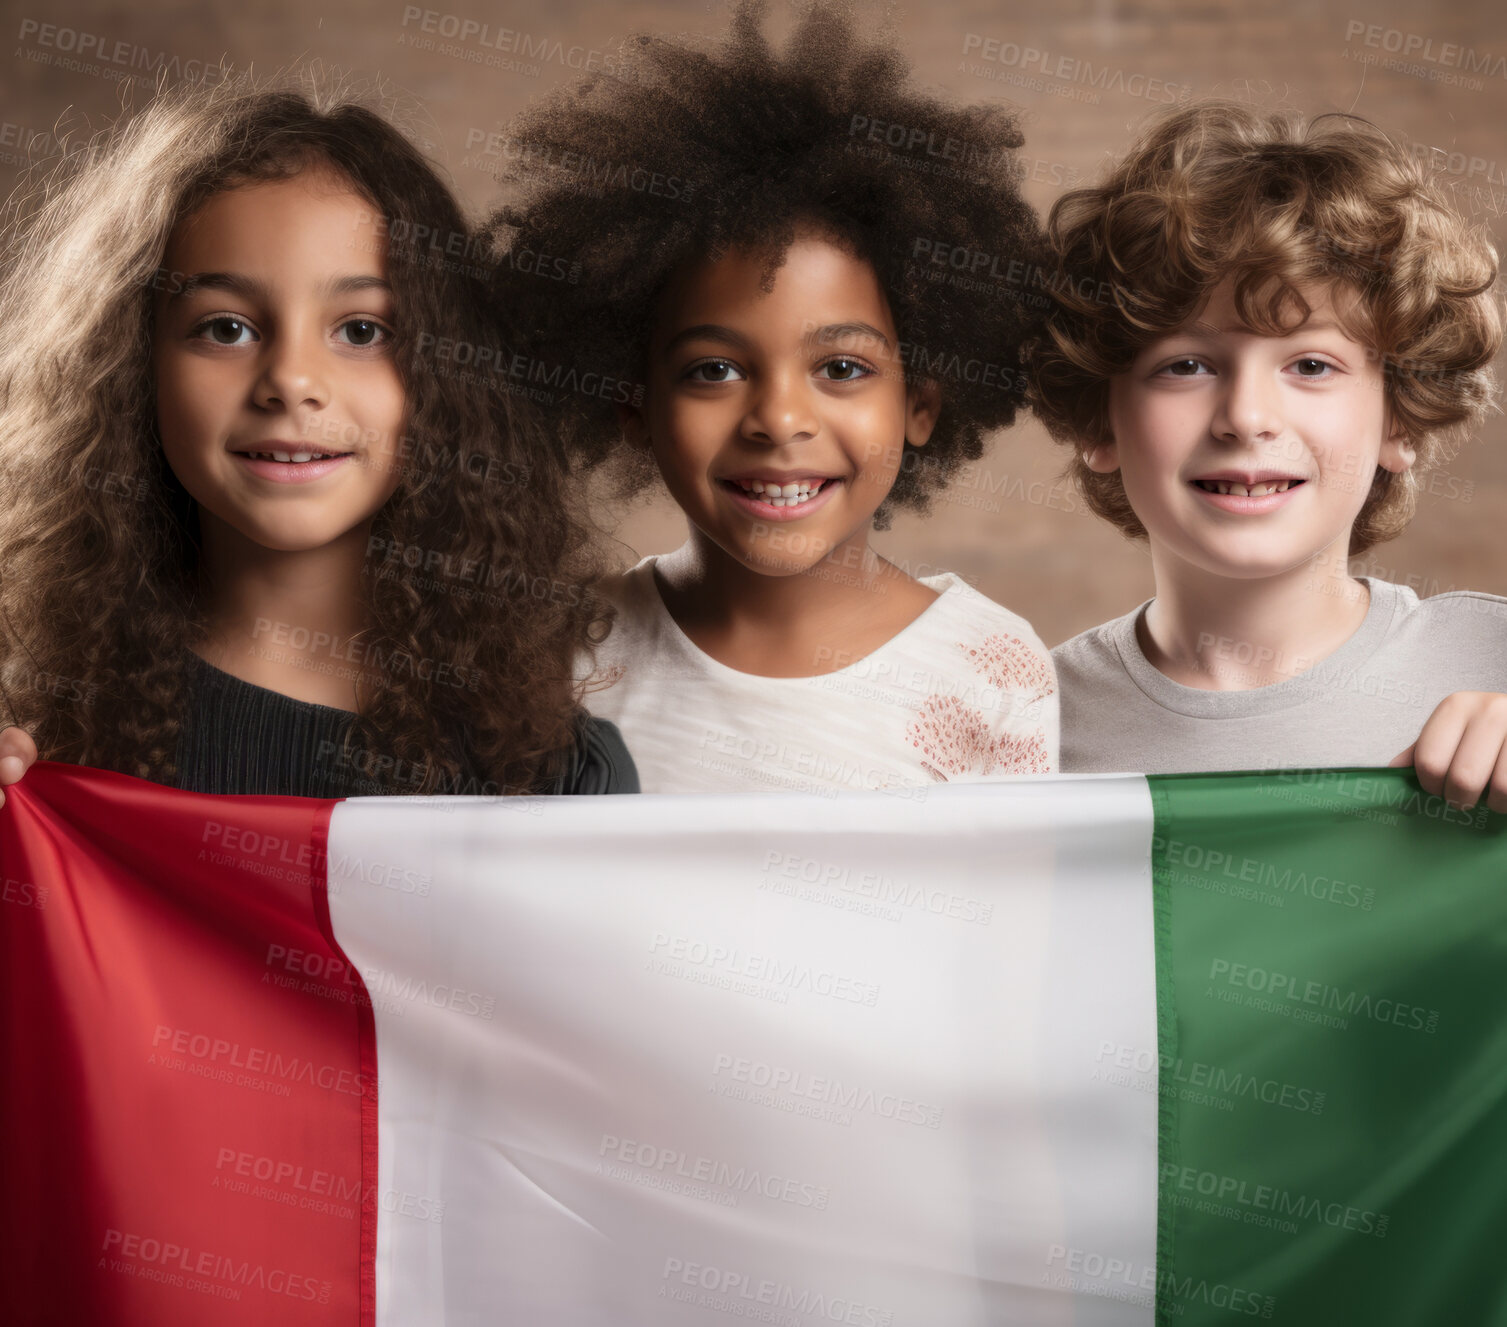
{"points": [[630, 588], [1466, 604], [963, 610], [638, 615], [1099, 649], [965, 634], [1449, 621]]}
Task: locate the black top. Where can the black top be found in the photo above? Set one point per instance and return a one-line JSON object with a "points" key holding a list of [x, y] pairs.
{"points": [[242, 738]]}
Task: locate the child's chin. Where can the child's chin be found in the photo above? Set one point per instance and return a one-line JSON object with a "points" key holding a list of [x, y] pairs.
{"points": [[1269, 562], [776, 565]]}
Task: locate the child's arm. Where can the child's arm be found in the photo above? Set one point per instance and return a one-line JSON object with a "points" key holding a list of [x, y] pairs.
{"points": [[1461, 752], [17, 752]]}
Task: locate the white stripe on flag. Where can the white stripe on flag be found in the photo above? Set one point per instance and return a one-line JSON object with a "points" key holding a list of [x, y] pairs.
{"points": [[676, 1060]]}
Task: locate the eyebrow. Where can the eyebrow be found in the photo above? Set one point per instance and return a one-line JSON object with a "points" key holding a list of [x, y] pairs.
{"points": [[250, 288], [707, 332], [1325, 325], [836, 331], [829, 332]]}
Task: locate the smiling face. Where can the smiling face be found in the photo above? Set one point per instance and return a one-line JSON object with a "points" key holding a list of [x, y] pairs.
{"points": [[278, 401], [779, 418], [1246, 455]]}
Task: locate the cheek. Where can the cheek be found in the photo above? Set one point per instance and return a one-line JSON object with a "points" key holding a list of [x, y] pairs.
{"points": [[187, 397], [685, 430], [1157, 432], [382, 408], [871, 429]]}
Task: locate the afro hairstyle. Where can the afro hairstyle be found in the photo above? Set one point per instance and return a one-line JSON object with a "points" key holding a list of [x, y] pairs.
{"points": [[677, 155]]}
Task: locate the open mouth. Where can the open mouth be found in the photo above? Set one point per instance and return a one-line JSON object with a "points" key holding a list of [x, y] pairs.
{"points": [[1262, 490], [292, 458], [794, 494]]}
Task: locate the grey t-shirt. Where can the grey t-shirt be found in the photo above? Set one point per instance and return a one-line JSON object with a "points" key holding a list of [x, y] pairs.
{"points": [[1361, 705]]}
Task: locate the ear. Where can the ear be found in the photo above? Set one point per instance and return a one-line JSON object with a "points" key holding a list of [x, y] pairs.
{"points": [[1103, 458], [923, 404], [1397, 452], [635, 428]]}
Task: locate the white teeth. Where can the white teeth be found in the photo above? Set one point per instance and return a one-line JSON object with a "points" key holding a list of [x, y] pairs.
{"points": [[291, 458], [783, 495], [1264, 489], [282, 456], [302, 456]]}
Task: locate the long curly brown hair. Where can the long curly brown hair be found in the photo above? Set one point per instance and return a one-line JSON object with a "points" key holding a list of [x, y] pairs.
{"points": [[615, 182], [100, 600]]}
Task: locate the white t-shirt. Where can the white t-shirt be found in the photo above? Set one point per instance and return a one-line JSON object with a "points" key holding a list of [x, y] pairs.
{"points": [[965, 692]]}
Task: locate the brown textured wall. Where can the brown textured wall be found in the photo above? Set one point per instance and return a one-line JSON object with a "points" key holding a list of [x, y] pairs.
{"points": [[1006, 527]]}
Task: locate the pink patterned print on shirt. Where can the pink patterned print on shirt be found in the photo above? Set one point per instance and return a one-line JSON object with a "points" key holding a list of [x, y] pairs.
{"points": [[1012, 665], [954, 739]]}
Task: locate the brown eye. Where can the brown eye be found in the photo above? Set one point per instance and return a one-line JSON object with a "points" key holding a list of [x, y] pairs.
{"points": [[364, 332], [712, 370], [222, 331], [1184, 368], [844, 370]]}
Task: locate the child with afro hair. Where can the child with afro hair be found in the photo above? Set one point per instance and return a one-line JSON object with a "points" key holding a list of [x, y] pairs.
{"points": [[799, 287], [1266, 328]]}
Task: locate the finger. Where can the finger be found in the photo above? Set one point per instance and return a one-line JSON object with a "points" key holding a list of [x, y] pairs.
{"points": [[1406, 758], [1472, 765], [1434, 751], [16, 743], [17, 752], [1496, 796]]}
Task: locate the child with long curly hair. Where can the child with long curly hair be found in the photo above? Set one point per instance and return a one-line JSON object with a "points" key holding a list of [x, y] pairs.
{"points": [[253, 539], [798, 286]]}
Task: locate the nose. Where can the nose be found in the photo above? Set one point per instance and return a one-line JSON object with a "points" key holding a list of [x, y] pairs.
{"points": [[1250, 406], [291, 373], [781, 410]]}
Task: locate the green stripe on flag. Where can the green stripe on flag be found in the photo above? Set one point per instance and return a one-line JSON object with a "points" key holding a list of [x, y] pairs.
{"points": [[1332, 978]]}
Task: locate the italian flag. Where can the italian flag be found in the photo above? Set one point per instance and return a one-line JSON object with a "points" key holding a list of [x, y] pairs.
{"points": [[1093, 1050]]}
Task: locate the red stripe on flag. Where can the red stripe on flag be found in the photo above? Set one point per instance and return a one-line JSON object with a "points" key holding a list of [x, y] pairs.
{"points": [[187, 1131], [366, 1026]]}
